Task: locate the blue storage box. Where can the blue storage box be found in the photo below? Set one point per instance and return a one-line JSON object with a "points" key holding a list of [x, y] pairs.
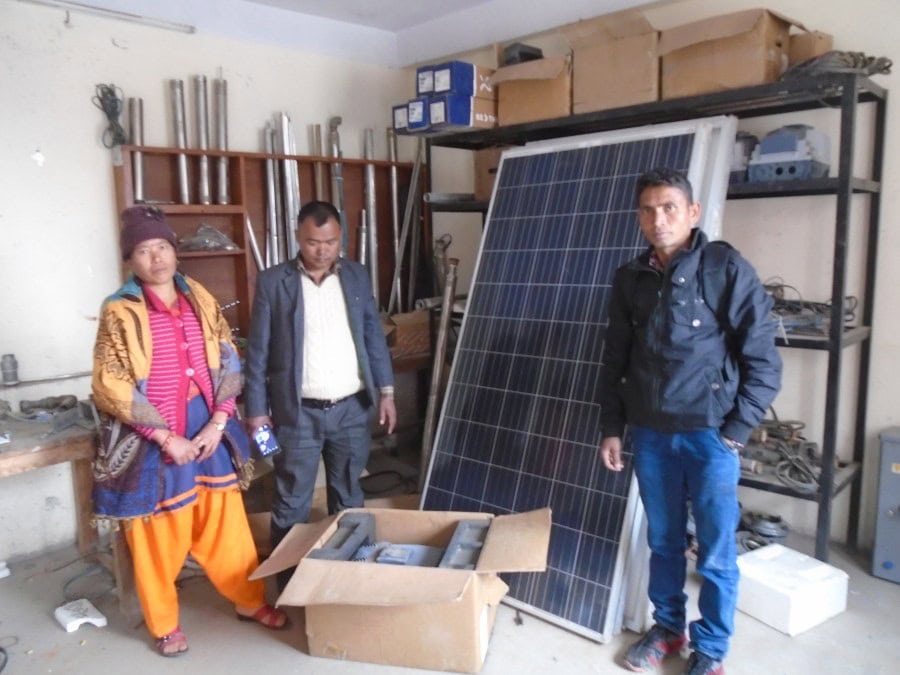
{"points": [[452, 110], [417, 118], [424, 80], [466, 79]]}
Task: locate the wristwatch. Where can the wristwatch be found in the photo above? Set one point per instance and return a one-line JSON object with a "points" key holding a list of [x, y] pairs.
{"points": [[220, 426]]}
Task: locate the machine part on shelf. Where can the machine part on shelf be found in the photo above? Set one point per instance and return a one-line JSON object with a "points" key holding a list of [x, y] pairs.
{"points": [[371, 212], [207, 238], [744, 144], [273, 250], [220, 92], [50, 404], [437, 370], [202, 128], [362, 242], [9, 367], [768, 525], [337, 178], [411, 198], [319, 167], [136, 129], [751, 466], [395, 208], [254, 245], [177, 89], [794, 151], [441, 244]]}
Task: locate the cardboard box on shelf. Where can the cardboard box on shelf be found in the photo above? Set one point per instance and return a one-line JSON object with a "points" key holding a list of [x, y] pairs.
{"points": [[463, 78], [807, 45], [450, 111], [420, 617], [412, 333], [615, 61], [788, 590], [534, 90], [733, 50], [486, 162]]}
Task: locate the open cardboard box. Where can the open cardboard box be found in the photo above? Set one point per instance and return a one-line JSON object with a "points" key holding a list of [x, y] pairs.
{"points": [[421, 617], [534, 90]]}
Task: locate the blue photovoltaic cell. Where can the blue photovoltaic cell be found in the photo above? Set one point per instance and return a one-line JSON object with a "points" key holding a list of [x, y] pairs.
{"points": [[520, 425]]}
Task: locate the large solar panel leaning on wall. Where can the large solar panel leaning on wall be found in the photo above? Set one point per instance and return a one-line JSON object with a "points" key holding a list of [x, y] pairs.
{"points": [[519, 428]]}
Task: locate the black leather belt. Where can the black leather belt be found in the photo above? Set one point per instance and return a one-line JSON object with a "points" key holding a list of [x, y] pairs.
{"points": [[324, 403]]}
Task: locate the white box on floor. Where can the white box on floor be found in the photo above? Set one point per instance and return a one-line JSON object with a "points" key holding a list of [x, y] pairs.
{"points": [[788, 590]]}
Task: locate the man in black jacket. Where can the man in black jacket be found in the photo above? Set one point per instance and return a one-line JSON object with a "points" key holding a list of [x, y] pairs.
{"points": [[690, 365]]}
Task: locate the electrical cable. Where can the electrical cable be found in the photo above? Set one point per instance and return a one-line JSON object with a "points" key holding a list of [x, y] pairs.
{"points": [[4, 658], [109, 99]]}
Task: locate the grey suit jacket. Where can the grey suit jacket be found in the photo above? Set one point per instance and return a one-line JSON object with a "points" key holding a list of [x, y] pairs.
{"points": [[274, 366]]}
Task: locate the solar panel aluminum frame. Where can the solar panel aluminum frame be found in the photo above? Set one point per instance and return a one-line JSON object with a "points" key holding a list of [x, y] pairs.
{"points": [[708, 170]]}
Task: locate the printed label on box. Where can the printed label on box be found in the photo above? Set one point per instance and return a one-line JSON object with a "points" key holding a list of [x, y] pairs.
{"points": [[401, 118], [416, 112], [442, 79], [487, 118], [438, 112], [425, 82], [485, 86]]}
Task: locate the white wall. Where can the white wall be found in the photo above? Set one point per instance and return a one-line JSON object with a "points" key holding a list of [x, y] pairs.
{"points": [[58, 231], [791, 238]]}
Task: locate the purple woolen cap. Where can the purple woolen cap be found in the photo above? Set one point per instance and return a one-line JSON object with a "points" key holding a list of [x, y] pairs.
{"points": [[140, 223]]}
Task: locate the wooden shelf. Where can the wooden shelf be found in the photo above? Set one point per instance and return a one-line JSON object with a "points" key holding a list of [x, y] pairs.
{"points": [[186, 255], [799, 188]]}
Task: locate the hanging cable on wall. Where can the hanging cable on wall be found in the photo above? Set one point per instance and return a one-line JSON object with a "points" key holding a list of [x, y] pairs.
{"points": [[108, 98]]}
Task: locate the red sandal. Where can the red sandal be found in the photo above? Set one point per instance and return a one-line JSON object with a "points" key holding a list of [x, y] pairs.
{"points": [[176, 639], [267, 616]]}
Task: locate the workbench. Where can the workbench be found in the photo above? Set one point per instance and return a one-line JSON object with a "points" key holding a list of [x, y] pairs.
{"points": [[32, 448]]}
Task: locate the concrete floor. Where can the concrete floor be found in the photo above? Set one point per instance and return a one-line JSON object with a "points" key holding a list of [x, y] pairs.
{"points": [[864, 639]]}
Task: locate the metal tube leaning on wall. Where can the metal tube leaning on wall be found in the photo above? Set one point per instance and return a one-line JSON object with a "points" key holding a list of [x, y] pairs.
{"points": [[440, 355], [395, 209], [292, 244], [371, 212], [407, 217], [177, 88], [136, 124], [321, 194], [200, 101], [279, 202], [337, 178], [362, 244], [220, 93], [273, 249], [254, 245], [288, 183]]}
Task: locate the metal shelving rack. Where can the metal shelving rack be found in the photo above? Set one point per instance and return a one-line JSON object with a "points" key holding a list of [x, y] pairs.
{"points": [[843, 92]]}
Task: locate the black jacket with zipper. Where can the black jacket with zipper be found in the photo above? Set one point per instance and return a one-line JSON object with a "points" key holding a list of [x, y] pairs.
{"points": [[673, 363]]}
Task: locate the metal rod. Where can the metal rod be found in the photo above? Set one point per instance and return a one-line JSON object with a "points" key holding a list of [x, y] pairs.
{"points": [[254, 245], [220, 91], [177, 89], [337, 178], [362, 244], [279, 201], [415, 249], [437, 370], [136, 124], [407, 217], [200, 102], [371, 212], [288, 178], [395, 209], [321, 192], [273, 252], [293, 245]]}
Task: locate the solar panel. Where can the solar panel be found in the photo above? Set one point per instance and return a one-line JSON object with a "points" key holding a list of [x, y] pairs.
{"points": [[520, 423]]}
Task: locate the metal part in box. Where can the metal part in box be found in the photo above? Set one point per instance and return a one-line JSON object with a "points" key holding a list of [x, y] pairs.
{"points": [[886, 553]]}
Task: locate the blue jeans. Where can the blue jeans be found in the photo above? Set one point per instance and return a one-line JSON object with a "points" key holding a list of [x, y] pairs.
{"points": [[672, 469]]}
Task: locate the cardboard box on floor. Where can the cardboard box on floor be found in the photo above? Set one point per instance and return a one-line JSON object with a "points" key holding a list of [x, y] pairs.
{"points": [[733, 50], [614, 61], [420, 617], [534, 90]]}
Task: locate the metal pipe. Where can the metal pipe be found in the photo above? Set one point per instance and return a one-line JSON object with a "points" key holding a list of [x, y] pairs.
{"points": [[362, 244], [395, 209], [288, 168], [437, 370], [220, 92], [254, 245], [415, 249], [279, 201], [273, 255], [177, 89], [321, 194], [202, 138], [293, 245], [407, 216], [372, 212], [337, 178], [136, 124]]}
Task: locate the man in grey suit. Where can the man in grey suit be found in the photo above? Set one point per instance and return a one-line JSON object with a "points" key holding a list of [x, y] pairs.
{"points": [[317, 362]]}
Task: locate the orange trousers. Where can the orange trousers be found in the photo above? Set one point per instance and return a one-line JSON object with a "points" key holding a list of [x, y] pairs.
{"points": [[215, 531]]}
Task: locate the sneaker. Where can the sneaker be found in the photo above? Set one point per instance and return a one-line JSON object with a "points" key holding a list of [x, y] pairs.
{"points": [[701, 664], [657, 643]]}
